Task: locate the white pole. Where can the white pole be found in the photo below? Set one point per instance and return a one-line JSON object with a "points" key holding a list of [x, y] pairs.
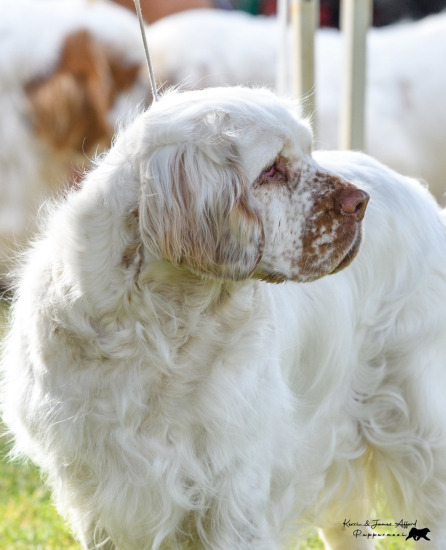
{"points": [[305, 20], [282, 84], [355, 21]]}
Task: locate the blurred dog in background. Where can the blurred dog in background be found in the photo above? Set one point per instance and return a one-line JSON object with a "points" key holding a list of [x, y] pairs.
{"points": [[68, 71]]}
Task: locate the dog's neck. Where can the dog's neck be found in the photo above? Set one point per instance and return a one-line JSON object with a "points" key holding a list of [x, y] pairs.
{"points": [[176, 292], [180, 316], [176, 306], [204, 294]]}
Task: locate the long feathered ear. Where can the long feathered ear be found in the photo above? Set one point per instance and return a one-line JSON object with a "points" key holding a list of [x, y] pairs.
{"points": [[196, 211]]}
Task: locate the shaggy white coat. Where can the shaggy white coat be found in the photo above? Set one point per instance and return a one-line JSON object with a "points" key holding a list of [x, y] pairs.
{"points": [[170, 394], [405, 107]]}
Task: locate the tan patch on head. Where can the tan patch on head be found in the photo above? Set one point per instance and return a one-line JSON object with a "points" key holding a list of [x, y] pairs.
{"points": [[70, 107]]}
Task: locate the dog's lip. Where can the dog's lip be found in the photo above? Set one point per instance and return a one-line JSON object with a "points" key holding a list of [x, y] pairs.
{"points": [[350, 255]]}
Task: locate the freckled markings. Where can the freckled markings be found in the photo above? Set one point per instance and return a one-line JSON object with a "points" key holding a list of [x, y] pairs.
{"points": [[315, 235]]}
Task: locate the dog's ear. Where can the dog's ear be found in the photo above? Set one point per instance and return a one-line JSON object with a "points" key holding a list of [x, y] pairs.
{"points": [[196, 211]]}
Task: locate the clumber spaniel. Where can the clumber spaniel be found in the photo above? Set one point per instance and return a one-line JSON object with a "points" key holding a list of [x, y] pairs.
{"points": [[171, 393], [68, 71], [406, 111]]}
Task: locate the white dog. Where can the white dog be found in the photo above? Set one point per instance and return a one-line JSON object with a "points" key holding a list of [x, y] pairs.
{"points": [[172, 394], [68, 71], [406, 111]]}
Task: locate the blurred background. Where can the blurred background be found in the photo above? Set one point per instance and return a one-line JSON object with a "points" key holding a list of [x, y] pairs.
{"points": [[384, 11], [73, 71]]}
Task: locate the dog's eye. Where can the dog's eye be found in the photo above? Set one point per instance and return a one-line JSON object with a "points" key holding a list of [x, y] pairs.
{"points": [[273, 173], [270, 171]]}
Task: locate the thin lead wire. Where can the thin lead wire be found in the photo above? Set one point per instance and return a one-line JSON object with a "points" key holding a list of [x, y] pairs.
{"points": [[146, 49]]}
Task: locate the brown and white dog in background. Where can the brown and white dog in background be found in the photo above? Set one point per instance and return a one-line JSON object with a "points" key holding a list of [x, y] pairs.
{"points": [[68, 71]]}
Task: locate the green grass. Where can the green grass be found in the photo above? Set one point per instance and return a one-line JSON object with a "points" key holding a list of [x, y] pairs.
{"points": [[29, 521]]}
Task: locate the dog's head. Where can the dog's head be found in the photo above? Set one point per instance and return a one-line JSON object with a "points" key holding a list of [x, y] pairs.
{"points": [[230, 189]]}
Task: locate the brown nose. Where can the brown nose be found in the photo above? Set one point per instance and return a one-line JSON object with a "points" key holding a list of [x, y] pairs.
{"points": [[352, 203]]}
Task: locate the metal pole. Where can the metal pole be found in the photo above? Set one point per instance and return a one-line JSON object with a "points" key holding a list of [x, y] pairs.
{"points": [[282, 84], [305, 20], [355, 21]]}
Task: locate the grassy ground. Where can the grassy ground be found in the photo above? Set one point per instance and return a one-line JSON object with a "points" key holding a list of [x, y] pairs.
{"points": [[28, 520]]}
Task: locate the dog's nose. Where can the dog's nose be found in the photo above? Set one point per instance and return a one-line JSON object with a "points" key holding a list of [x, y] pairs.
{"points": [[352, 203]]}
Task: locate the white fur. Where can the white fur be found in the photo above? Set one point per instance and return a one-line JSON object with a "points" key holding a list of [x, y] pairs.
{"points": [[168, 392], [405, 107], [31, 38]]}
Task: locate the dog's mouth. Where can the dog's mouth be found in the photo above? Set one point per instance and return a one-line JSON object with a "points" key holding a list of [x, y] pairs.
{"points": [[351, 253]]}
